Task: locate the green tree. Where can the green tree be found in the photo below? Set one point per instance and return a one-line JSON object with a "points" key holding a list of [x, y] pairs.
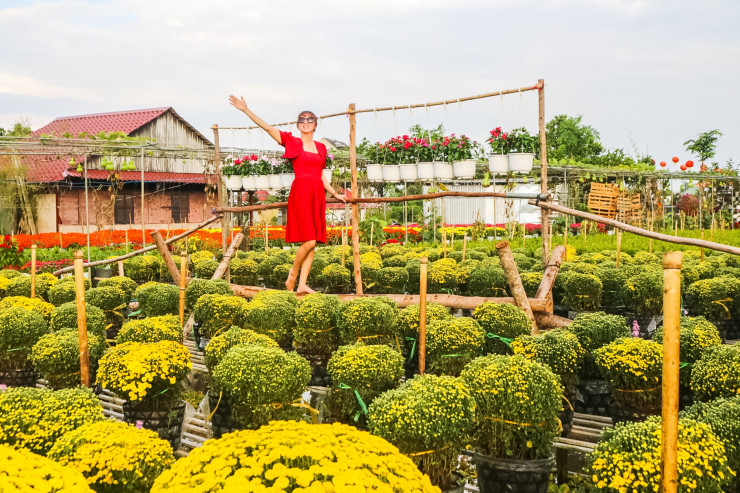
{"points": [[569, 138], [704, 145]]}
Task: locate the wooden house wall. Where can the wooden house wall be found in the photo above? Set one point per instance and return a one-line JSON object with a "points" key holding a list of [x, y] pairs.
{"points": [[167, 129]]}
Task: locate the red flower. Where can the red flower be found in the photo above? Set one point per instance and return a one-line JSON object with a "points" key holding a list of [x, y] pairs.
{"points": [[663, 164], [689, 164], [675, 159]]}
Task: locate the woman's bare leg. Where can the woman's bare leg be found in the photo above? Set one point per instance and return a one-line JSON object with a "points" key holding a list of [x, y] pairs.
{"points": [[300, 256], [305, 268]]}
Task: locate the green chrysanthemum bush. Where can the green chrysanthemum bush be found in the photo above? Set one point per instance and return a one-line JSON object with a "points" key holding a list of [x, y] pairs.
{"points": [[272, 315], [582, 291], [124, 283], [558, 349], [316, 319], [151, 329], [451, 344], [21, 285], [270, 295], [717, 373], [628, 458], [36, 419], [200, 256], [65, 317], [392, 279], [359, 374], [634, 367], [114, 456], [502, 323], [4, 283], [216, 313], [487, 280], [464, 269], [370, 264], [336, 278], [442, 276], [366, 319], [697, 335], [593, 331], [428, 418], [531, 282], [199, 287], [244, 271], [28, 304], [206, 268], [292, 457], [57, 356], [20, 329], [391, 250], [645, 293], [235, 336], [25, 471], [716, 298], [157, 299], [407, 325], [517, 404], [164, 271], [261, 383], [147, 375], [142, 268], [267, 267], [107, 298], [395, 261], [613, 282]]}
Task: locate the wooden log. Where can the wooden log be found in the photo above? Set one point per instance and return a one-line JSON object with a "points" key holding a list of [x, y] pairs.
{"points": [[671, 362], [551, 272], [465, 245], [550, 321], [120, 268], [423, 314], [166, 256], [81, 318], [355, 196], [642, 232], [515, 282], [143, 250], [619, 246], [33, 271], [183, 285], [545, 222], [224, 265]]}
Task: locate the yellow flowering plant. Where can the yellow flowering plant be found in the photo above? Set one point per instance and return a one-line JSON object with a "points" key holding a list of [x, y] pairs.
{"points": [[107, 298], [367, 319], [21, 285], [335, 278], [697, 334], [392, 279], [65, 317], [628, 457], [316, 319], [487, 280], [464, 269], [360, 373], [243, 271], [126, 284], [502, 323], [151, 329], [645, 292], [199, 287], [57, 356], [157, 299], [429, 419], [442, 276], [451, 344], [35, 419], [272, 315], [717, 373], [582, 291], [395, 261], [28, 304], [295, 457], [216, 313], [25, 471], [517, 404], [235, 336], [206, 268], [559, 349], [142, 268], [407, 328], [20, 329], [593, 331], [634, 367], [114, 456], [146, 375], [716, 298], [370, 264], [200, 256]]}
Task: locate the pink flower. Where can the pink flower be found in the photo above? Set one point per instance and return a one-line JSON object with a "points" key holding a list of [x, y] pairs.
{"points": [[635, 329], [139, 424]]}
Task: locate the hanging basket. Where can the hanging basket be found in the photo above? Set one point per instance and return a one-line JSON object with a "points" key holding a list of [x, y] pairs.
{"points": [[286, 180], [391, 173], [233, 182], [521, 162], [220, 409], [425, 171], [498, 163], [513, 475], [275, 182], [408, 171], [464, 169], [443, 171], [167, 423], [262, 182], [248, 182], [18, 378], [375, 172]]}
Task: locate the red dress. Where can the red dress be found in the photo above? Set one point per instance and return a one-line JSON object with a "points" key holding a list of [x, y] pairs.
{"points": [[307, 199]]}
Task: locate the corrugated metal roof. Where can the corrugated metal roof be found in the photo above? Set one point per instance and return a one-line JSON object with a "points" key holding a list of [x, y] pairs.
{"points": [[118, 121]]}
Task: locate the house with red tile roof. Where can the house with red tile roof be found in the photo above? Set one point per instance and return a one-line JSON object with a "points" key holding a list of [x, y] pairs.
{"points": [[174, 186]]}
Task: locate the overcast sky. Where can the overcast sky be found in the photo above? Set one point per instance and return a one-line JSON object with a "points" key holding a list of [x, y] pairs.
{"points": [[648, 75]]}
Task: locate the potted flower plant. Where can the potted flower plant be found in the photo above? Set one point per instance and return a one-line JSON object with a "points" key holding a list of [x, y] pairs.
{"points": [[375, 169], [230, 171], [443, 168], [247, 173], [397, 150], [521, 150], [462, 153], [20, 329], [498, 160]]}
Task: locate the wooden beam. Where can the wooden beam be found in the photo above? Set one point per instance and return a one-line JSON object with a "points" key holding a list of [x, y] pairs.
{"points": [[551, 271], [166, 256], [355, 196], [515, 282], [550, 321], [545, 221], [224, 265]]}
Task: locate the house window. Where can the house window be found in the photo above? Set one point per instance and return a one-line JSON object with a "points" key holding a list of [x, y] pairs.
{"points": [[180, 206], [124, 210]]}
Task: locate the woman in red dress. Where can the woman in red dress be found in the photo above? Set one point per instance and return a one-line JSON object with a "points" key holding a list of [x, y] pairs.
{"points": [[307, 200]]}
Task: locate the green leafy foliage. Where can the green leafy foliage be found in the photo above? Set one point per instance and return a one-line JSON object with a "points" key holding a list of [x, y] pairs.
{"points": [[57, 356], [501, 321], [216, 313], [20, 329], [453, 343], [65, 317], [235, 336], [198, 287], [366, 319], [151, 329], [316, 320], [157, 299], [717, 373]]}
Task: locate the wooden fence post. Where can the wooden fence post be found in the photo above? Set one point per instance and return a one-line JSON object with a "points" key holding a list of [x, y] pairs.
{"points": [[422, 314], [619, 246], [81, 318], [166, 256], [183, 285], [33, 271], [515, 282]]}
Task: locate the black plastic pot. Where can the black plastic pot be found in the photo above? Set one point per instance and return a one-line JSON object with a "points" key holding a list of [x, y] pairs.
{"points": [[626, 414], [595, 397], [513, 475], [220, 407], [566, 415], [18, 378], [167, 423], [319, 375]]}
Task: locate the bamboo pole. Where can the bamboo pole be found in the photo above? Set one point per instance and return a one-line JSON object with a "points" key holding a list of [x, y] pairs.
{"points": [[423, 314], [126, 234], [372, 229], [143, 250], [671, 361], [444, 240], [60, 240], [650, 247], [641, 232], [183, 285], [515, 282], [120, 268], [702, 248], [143, 205], [551, 272], [223, 266], [344, 246], [81, 318], [465, 245], [565, 237], [545, 229], [267, 245], [33, 271], [619, 247], [166, 256], [355, 195], [222, 199]]}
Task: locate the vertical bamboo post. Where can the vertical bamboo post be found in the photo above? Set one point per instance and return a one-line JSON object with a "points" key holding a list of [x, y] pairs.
{"points": [[545, 214], [465, 245], [565, 237], [444, 241], [120, 268], [676, 232], [702, 248], [222, 195], [126, 241], [143, 205], [344, 246], [33, 271], [372, 230], [524, 237], [60, 240], [452, 245], [671, 359], [81, 319], [183, 285], [619, 246], [166, 257], [355, 194], [267, 246], [423, 314]]}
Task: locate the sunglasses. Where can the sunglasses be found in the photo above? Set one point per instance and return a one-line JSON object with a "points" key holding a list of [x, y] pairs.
{"points": [[309, 119]]}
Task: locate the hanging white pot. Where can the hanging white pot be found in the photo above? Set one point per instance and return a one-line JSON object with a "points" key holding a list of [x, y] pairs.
{"points": [[261, 182], [375, 172], [498, 163], [233, 182], [248, 182], [275, 182], [443, 170], [327, 173], [464, 169], [286, 179], [391, 173], [408, 171], [425, 170], [521, 162]]}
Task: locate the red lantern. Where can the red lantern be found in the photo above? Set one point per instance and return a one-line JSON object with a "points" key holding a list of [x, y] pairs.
{"points": [[675, 159], [663, 164], [703, 168], [683, 167], [689, 164]]}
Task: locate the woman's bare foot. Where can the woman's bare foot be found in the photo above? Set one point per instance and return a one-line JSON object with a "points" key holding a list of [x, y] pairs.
{"points": [[304, 290], [290, 283]]}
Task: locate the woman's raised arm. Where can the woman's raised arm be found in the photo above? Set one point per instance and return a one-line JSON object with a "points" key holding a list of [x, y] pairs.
{"points": [[241, 105]]}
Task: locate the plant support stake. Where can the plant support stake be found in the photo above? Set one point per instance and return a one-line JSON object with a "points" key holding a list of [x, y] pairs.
{"points": [[422, 314], [33, 271], [81, 318]]}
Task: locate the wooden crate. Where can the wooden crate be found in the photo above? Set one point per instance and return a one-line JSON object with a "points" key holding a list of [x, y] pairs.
{"points": [[629, 207], [602, 199]]}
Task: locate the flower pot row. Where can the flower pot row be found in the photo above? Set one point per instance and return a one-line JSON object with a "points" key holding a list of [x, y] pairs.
{"points": [[520, 162], [438, 170], [263, 182]]}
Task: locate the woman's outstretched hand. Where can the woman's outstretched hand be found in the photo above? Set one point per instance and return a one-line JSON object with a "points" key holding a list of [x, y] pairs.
{"points": [[238, 103]]}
